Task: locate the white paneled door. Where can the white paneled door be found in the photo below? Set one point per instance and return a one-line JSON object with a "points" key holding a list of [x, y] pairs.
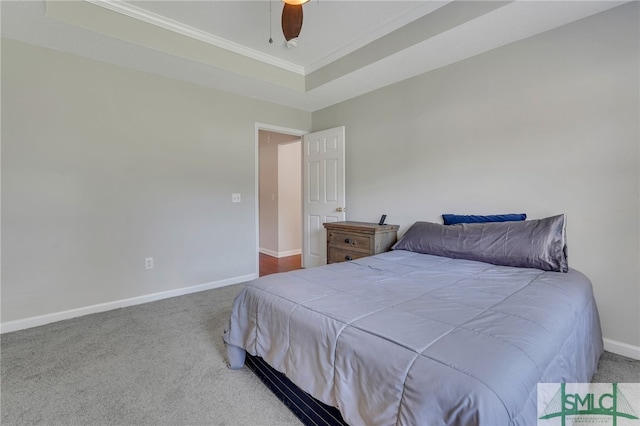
{"points": [[324, 193]]}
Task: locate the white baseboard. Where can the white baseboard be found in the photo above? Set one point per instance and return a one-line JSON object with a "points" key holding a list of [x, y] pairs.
{"points": [[290, 253], [268, 252], [280, 254], [22, 324], [623, 349]]}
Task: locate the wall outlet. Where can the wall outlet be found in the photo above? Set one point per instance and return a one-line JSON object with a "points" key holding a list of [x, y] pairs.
{"points": [[236, 198], [148, 263]]}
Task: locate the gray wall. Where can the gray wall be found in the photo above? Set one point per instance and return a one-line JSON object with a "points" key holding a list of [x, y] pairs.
{"points": [[544, 126], [104, 166]]}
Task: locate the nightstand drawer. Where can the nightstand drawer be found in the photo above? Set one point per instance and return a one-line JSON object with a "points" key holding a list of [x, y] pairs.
{"points": [[349, 241], [336, 255]]}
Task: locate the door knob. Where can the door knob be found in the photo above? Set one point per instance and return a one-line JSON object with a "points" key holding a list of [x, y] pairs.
{"points": [[341, 209]]}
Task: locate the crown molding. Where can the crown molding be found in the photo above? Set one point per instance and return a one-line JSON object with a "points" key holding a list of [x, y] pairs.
{"points": [[188, 31]]}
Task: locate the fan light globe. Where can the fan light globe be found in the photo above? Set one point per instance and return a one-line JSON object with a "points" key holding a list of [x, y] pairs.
{"points": [[295, 2]]}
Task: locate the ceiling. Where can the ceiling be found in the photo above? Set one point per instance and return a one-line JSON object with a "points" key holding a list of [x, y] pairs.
{"points": [[346, 48]]}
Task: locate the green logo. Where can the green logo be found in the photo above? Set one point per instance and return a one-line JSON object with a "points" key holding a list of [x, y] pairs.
{"points": [[565, 403]]}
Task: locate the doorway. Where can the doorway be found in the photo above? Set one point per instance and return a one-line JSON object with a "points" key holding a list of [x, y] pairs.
{"points": [[323, 160], [279, 200]]}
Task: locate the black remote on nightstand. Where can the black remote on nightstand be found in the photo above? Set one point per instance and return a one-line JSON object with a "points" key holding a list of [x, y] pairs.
{"points": [[382, 219]]}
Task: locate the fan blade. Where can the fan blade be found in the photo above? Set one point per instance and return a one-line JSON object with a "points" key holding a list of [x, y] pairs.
{"points": [[291, 21]]}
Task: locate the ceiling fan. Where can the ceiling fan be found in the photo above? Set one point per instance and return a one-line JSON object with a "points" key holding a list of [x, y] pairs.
{"points": [[292, 21]]}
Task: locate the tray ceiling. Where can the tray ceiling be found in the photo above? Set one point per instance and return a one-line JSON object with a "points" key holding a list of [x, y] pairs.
{"points": [[346, 48]]}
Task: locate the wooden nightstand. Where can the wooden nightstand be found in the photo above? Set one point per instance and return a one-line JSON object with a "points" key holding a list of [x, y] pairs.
{"points": [[353, 240]]}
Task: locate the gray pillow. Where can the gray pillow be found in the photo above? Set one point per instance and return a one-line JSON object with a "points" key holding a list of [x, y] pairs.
{"points": [[537, 244]]}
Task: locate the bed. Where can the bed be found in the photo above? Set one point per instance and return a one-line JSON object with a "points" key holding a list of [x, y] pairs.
{"points": [[413, 338]]}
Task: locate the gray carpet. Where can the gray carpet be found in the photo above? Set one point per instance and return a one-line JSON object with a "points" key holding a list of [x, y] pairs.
{"points": [[160, 363]]}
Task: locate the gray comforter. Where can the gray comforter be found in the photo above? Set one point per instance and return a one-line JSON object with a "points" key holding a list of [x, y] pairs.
{"points": [[404, 338]]}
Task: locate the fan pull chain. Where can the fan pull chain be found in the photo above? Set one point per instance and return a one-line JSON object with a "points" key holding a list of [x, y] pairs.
{"points": [[270, 39]]}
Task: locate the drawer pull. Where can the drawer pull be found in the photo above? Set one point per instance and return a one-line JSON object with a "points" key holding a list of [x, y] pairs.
{"points": [[347, 257], [348, 241]]}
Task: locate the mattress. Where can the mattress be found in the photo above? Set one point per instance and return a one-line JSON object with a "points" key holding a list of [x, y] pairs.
{"points": [[408, 338]]}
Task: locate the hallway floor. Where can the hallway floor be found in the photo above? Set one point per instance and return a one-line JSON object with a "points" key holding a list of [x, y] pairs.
{"points": [[272, 265]]}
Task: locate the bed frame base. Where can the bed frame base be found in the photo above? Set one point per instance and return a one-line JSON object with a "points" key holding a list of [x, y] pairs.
{"points": [[309, 410]]}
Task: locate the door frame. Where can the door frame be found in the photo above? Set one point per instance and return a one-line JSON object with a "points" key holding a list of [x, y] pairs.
{"points": [[256, 184]]}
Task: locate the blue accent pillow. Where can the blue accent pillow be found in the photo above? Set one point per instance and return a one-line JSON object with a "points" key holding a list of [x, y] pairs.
{"points": [[452, 219]]}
